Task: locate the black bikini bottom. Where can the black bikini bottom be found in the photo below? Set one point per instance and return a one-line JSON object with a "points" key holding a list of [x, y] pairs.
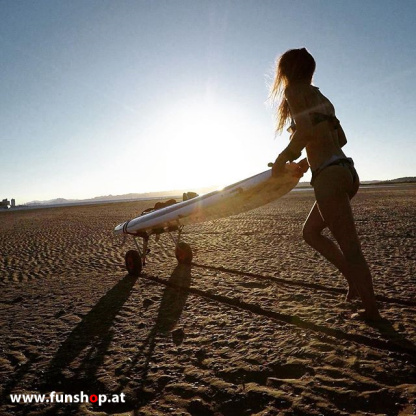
{"points": [[344, 162]]}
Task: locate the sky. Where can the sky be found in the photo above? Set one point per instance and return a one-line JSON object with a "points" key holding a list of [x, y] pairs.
{"points": [[104, 97]]}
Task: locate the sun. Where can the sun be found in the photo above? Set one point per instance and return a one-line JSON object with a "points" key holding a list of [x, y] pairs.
{"points": [[203, 144]]}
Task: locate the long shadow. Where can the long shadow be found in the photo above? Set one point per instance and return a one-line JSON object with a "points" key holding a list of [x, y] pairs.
{"points": [[91, 337], [174, 298], [383, 342], [301, 283], [170, 310], [387, 332]]}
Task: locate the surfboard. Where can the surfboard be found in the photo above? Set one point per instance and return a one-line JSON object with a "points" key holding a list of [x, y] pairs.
{"points": [[237, 198]]}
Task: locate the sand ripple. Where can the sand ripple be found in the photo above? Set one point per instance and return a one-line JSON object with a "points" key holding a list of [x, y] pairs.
{"points": [[257, 325]]}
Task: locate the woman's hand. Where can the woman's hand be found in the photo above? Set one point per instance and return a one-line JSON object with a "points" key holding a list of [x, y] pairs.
{"points": [[303, 165], [300, 167], [279, 167]]}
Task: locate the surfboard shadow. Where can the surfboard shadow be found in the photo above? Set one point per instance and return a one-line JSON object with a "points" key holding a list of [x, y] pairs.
{"points": [[174, 298], [90, 338], [170, 310]]}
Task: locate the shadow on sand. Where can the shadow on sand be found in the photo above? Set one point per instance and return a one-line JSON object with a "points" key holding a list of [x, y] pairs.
{"points": [[170, 310], [90, 339], [397, 341]]}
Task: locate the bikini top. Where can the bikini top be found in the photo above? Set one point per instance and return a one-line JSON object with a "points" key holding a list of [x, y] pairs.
{"points": [[316, 118]]}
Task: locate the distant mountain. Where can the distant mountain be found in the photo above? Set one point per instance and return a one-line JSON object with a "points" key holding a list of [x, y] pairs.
{"points": [[176, 193], [57, 201], [406, 179], [98, 199], [114, 198]]}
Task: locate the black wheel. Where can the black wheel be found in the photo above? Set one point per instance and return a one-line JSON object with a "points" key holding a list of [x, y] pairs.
{"points": [[133, 263], [183, 253]]}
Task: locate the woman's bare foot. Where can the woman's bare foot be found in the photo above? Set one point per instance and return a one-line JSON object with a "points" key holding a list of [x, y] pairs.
{"points": [[366, 316]]}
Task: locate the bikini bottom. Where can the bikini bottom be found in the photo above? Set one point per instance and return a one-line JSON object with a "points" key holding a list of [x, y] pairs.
{"points": [[346, 162]]}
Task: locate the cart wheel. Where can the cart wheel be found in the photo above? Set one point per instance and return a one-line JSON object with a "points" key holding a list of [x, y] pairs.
{"points": [[133, 263], [183, 253]]}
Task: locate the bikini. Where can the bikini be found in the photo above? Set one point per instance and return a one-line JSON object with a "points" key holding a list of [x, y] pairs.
{"points": [[334, 160]]}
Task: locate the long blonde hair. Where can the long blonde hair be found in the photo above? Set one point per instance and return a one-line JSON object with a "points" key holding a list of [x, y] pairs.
{"points": [[295, 65]]}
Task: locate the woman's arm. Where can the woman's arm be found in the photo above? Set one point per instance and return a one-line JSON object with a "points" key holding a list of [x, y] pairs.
{"points": [[296, 97], [299, 109]]}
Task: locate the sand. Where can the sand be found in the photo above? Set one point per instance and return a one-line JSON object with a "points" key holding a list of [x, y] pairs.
{"points": [[257, 325]]}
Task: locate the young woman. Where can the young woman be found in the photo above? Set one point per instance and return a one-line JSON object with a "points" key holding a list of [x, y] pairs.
{"points": [[334, 178]]}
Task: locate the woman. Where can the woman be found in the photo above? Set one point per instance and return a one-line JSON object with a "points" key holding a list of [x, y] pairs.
{"points": [[334, 178]]}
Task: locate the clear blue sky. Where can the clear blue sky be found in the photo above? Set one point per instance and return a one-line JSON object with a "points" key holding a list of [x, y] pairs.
{"points": [[110, 97]]}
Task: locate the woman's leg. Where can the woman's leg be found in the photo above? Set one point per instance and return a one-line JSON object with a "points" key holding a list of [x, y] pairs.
{"points": [[332, 188], [312, 233]]}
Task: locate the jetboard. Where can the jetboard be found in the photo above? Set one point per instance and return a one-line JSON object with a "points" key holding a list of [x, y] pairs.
{"points": [[237, 198]]}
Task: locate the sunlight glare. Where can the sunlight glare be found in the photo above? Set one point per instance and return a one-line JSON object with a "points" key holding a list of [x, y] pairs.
{"points": [[204, 145]]}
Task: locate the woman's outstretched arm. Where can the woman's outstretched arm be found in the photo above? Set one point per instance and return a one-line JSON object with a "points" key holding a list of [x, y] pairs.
{"points": [[299, 109]]}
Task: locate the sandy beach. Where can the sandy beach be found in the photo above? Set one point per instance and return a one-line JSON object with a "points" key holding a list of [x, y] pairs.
{"points": [[257, 325]]}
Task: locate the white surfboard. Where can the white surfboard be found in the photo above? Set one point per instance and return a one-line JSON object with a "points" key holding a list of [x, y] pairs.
{"points": [[240, 197]]}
